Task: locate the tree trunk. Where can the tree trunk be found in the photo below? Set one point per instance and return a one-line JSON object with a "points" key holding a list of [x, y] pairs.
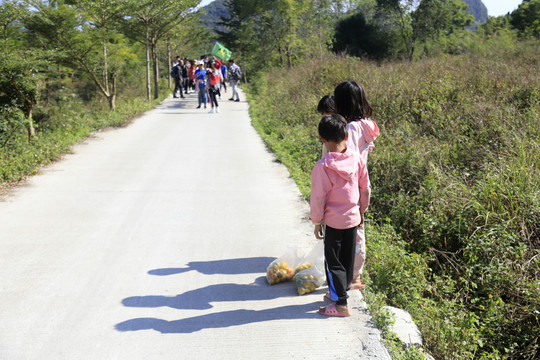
{"points": [[31, 129], [148, 89], [112, 97], [105, 70], [156, 68], [169, 63], [289, 56]]}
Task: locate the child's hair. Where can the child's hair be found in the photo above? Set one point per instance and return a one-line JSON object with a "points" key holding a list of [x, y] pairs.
{"points": [[351, 101], [333, 127], [326, 105]]}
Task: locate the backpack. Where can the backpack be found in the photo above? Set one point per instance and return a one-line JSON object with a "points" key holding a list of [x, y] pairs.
{"points": [[174, 72], [236, 73]]}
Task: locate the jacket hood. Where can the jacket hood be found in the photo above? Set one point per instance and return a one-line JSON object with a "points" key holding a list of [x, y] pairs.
{"points": [[345, 164], [369, 129]]}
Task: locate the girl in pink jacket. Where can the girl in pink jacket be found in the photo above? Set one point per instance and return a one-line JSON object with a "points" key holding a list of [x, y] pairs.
{"points": [[340, 193], [350, 101]]}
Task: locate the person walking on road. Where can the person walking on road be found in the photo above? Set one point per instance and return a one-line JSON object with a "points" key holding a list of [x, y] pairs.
{"points": [[213, 88], [340, 193], [224, 69], [177, 76], [235, 77], [200, 77]]}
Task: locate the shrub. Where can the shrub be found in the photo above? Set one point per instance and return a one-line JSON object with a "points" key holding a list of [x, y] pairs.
{"points": [[456, 198]]}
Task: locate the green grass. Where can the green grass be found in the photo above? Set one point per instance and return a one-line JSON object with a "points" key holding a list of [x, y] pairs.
{"points": [[58, 129], [455, 229]]}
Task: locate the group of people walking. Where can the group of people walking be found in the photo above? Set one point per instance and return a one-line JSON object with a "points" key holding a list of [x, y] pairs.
{"points": [[207, 77]]}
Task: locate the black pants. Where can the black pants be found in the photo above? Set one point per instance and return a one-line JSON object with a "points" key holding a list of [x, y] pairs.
{"points": [[186, 85], [178, 86], [339, 248], [213, 96]]}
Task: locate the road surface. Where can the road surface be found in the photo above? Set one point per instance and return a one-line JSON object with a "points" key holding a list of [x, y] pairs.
{"points": [[152, 242]]}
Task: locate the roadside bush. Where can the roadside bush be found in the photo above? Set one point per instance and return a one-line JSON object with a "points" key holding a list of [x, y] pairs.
{"points": [[59, 129], [456, 197]]}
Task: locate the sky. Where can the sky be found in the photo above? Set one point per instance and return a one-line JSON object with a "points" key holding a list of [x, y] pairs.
{"points": [[495, 7], [500, 7]]}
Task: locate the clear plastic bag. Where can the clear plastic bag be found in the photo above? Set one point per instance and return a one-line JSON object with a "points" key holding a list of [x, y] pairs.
{"points": [[282, 269], [310, 275]]}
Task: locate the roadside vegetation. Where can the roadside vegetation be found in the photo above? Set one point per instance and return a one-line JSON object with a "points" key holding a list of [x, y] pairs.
{"points": [[454, 229]]}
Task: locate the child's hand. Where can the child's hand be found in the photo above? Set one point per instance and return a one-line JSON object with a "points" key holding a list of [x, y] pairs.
{"points": [[318, 232]]}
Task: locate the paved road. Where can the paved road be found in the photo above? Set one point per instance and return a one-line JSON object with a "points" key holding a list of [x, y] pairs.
{"points": [[152, 242]]}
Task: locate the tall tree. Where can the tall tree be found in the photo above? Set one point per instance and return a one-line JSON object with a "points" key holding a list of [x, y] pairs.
{"points": [[526, 18], [20, 83], [77, 41], [397, 14], [153, 21], [11, 11], [356, 36], [279, 32], [103, 15], [434, 18]]}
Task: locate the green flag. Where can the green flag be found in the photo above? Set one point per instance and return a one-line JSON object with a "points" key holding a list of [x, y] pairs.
{"points": [[221, 52]]}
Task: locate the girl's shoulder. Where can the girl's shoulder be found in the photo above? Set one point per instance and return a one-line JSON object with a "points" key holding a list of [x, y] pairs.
{"points": [[366, 127]]}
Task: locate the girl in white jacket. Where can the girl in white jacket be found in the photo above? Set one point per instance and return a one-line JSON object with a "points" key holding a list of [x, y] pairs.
{"points": [[350, 101]]}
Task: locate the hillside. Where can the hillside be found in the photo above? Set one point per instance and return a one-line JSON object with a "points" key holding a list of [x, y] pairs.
{"points": [[212, 14], [216, 10], [478, 10]]}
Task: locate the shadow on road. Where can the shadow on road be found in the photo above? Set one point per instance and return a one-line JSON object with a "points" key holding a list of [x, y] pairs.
{"points": [[201, 299], [220, 320], [229, 266]]}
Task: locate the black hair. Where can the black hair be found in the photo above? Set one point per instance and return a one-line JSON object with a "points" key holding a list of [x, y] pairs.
{"points": [[326, 105], [333, 127], [351, 102], [231, 61]]}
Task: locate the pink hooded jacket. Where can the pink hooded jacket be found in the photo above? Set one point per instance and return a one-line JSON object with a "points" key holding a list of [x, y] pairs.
{"points": [[362, 133], [340, 190]]}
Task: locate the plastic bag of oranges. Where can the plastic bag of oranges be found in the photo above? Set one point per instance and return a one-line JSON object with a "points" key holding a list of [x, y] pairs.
{"points": [[309, 280], [282, 269], [310, 275]]}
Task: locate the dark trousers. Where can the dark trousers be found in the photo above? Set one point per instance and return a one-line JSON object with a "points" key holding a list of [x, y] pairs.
{"points": [[186, 85], [178, 86], [339, 251], [213, 96]]}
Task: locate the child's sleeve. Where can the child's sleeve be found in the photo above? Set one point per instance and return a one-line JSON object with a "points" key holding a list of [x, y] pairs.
{"points": [[320, 186], [364, 187]]}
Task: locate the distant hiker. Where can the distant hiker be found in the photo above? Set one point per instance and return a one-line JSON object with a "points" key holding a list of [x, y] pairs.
{"points": [[191, 75], [176, 74], [350, 101], [223, 70], [185, 75], [340, 194], [200, 78], [213, 88], [235, 75]]}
